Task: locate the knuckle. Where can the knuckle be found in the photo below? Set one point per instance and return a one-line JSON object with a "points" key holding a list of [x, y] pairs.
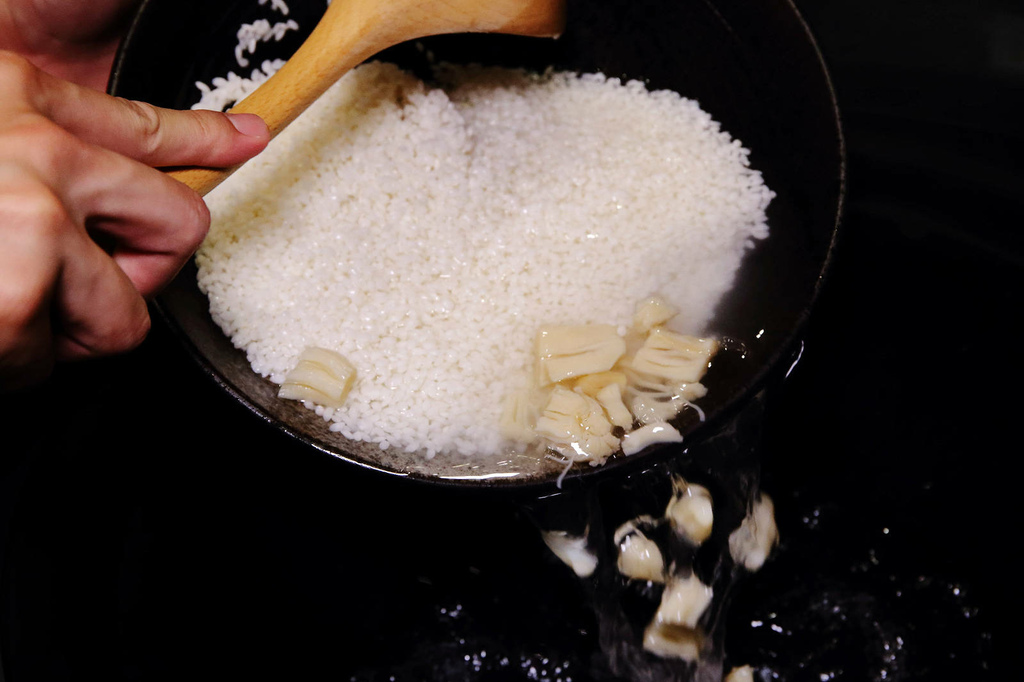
{"points": [[38, 221], [38, 214], [46, 211], [149, 126], [45, 147]]}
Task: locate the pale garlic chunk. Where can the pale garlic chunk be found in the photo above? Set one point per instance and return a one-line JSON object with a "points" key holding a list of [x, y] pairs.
{"points": [[610, 398], [661, 404], [519, 416], [575, 425], [567, 351], [675, 357], [683, 602], [690, 511], [572, 550], [743, 673], [673, 633], [652, 312], [320, 376], [753, 541], [673, 641], [664, 387], [630, 527], [639, 556], [591, 384], [635, 441]]}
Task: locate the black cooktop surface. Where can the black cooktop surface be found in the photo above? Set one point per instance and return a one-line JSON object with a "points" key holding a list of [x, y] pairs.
{"points": [[152, 528]]}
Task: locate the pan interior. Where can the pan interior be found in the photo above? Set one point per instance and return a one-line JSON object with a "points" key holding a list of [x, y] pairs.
{"points": [[752, 66]]}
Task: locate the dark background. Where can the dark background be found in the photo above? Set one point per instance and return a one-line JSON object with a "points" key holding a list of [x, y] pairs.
{"points": [[151, 529]]}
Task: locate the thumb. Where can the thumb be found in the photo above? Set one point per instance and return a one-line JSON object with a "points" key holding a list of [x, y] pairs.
{"points": [[152, 135]]}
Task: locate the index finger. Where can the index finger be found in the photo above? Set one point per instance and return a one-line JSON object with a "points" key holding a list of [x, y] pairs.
{"points": [[153, 135]]}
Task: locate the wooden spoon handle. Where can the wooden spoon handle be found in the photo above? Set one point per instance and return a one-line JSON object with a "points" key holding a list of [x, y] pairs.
{"points": [[329, 51], [354, 30]]}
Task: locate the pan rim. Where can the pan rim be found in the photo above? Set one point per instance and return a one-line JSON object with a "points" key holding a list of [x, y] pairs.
{"points": [[774, 364]]}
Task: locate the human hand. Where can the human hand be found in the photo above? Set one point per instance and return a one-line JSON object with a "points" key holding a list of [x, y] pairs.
{"points": [[78, 169]]}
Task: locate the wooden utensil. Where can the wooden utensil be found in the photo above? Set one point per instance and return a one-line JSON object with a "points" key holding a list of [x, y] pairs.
{"points": [[354, 30]]}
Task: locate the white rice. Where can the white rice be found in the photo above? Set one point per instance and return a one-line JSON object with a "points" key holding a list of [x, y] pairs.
{"points": [[426, 234]]}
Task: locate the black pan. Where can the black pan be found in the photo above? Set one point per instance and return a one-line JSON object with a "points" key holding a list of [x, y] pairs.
{"points": [[753, 65]]}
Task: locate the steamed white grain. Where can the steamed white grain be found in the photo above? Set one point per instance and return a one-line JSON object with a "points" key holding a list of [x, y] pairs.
{"points": [[425, 234]]}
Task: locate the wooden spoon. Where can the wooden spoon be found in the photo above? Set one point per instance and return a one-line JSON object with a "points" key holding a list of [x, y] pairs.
{"points": [[354, 30]]}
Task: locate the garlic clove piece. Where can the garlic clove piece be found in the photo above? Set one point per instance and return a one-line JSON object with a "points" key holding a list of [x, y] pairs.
{"points": [[661, 432], [567, 351], [639, 556], [320, 376], [610, 398], [743, 673], [572, 550], [752, 543], [576, 426], [673, 641], [690, 511], [683, 602], [520, 413], [591, 384], [676, 357], [652, 312]]}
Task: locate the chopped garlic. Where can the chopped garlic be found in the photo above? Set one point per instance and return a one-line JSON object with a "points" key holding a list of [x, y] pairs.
{"points": [[662, 386], [683, 602], [655, 392], [743, 673], [652, 312], [568, 351], [639, 557], [753, 541], [652, 407], [690, 511], [320, 376], [676, 357], [599, 376], [673, 641], [635, 441], [673, 632], [591, 384], [576, 426], [631, 527], [572, 550], [610, 398], [519, 417]]}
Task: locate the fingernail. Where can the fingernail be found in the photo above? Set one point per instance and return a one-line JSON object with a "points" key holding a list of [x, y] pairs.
{"points": [[248, 124]]}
